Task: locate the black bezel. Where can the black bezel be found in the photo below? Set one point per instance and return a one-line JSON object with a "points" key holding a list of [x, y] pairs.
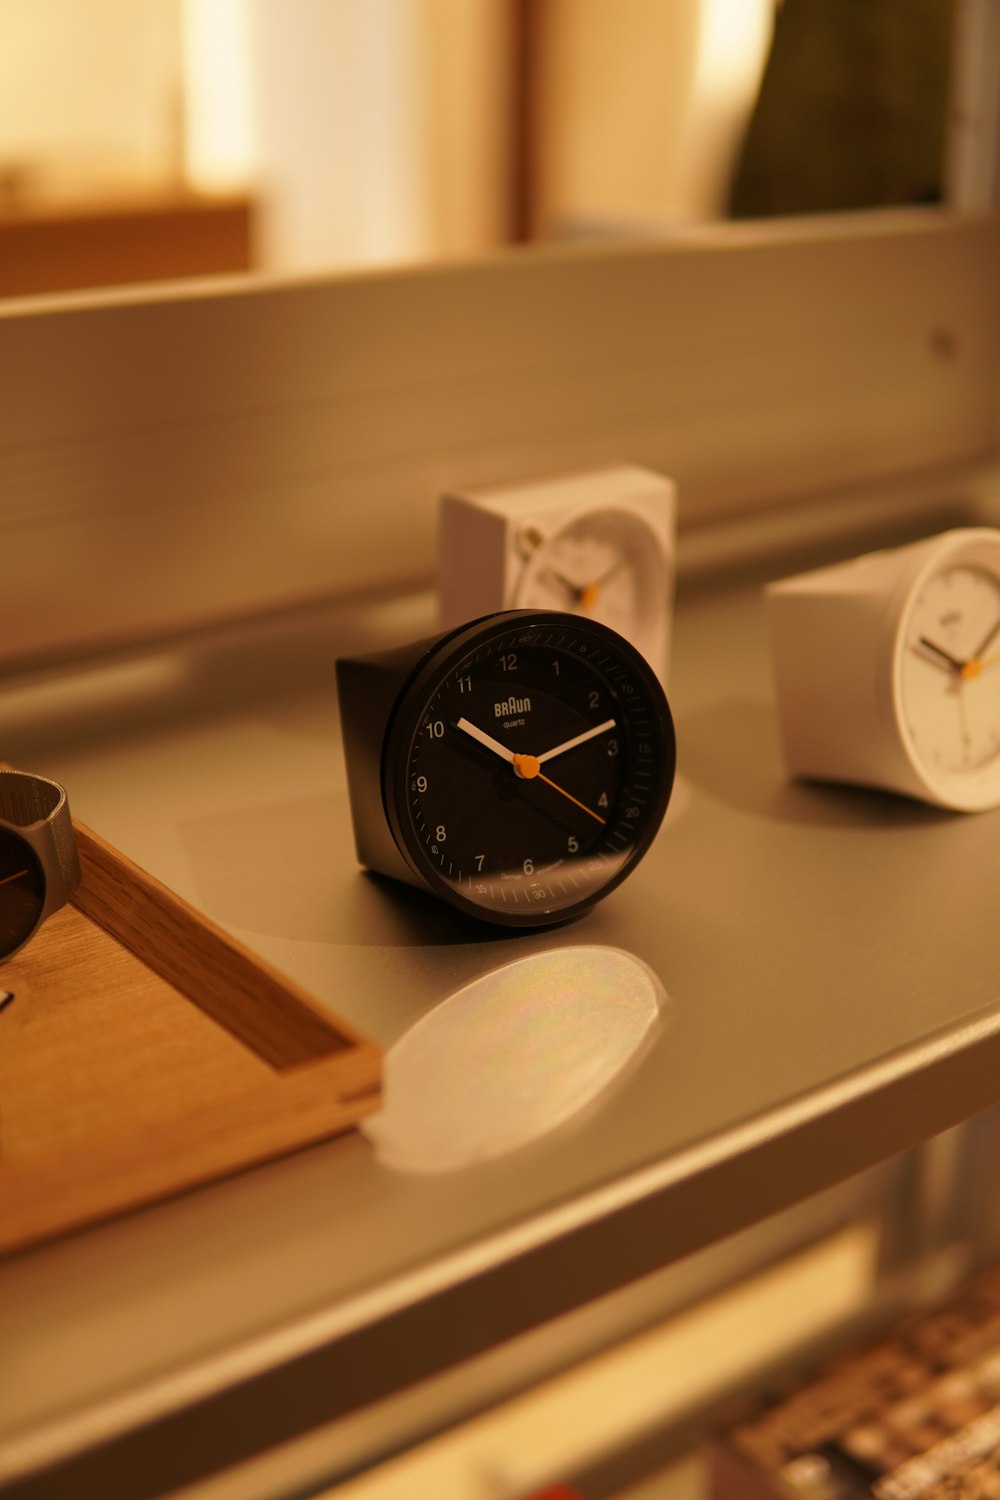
{"points": [[408, 710]]}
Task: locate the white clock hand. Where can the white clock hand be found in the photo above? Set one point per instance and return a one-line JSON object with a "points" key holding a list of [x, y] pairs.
{"points": [[486, 739], [528, 766], [580, 739]]}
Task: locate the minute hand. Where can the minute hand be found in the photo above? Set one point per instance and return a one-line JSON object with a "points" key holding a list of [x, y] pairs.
{"points": [[579, 739], [988, 641]]}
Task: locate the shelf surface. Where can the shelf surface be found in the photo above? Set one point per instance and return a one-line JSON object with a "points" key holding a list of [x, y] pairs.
{"points": [[831, 966]]}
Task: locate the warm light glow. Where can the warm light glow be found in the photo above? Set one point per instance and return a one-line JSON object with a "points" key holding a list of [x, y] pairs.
{"points": [[218, 133], [732, 46], [733, 41], [339, 145]]}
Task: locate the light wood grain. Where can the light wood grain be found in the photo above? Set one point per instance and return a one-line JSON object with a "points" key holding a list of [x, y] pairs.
{"points": [[251, 1000], [119, 1085]]}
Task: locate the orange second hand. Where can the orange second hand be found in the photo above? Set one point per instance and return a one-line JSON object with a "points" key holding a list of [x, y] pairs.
{"points": [[555, 787]]}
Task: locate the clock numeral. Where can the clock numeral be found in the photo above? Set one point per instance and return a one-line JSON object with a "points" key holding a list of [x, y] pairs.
{"points": [[529, 867], [480, 860], [555, 665], [594, 698], [435, 728], [441, 833], [612, 748], [572, 844], [420, 785], [465, 684], [631, 812], [602, 800], [509, 662], [628, 689]]}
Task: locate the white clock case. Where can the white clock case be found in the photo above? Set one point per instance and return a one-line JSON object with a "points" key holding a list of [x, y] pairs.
{"points": [[836, 641], [481, 554]]}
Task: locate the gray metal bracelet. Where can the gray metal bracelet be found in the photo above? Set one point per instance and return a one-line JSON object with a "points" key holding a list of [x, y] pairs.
{"points": [[26, 799], [39, 864]]}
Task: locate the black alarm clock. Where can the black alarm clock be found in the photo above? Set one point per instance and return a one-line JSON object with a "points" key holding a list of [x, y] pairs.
{"points": [[518, 767]]}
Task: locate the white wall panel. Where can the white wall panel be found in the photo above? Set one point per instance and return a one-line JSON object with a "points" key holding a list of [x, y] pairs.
{"points": [[179, 457]]}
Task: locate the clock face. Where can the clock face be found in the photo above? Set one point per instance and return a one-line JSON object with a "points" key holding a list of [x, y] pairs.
{"points": [[607, 564], [949, 677], [22, 891], [528, 766]]}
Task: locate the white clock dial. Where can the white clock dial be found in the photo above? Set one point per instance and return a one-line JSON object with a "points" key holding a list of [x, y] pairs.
{"points": [[607, 565], [949, 676], [598, 543]]}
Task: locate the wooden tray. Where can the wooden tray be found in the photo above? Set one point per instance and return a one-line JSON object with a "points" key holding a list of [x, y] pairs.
{"points": [[145, 1051]]}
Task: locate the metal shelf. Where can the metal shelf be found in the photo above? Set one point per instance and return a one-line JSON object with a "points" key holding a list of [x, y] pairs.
{"points": [[831, 965]]}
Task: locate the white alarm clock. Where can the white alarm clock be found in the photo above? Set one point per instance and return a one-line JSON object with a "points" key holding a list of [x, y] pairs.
{"points": [[887, 669], [599, 544]]}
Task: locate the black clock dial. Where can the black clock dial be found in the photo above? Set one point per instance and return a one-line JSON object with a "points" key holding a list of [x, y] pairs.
{"points": [[528, 766], [22, 891]]}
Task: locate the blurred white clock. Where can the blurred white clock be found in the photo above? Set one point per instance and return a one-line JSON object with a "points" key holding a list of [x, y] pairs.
{"points": [[599, 544], [888, 669]]}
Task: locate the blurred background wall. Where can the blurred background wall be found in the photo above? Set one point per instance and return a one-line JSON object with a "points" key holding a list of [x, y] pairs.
{"points": [[305, 135]]}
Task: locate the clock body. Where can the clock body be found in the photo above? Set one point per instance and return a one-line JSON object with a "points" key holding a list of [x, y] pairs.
{"points": [[518, 767], [600, 543], [887, 669]]}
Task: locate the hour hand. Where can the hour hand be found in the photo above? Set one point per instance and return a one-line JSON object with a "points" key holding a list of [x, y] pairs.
{"points": [[941, 657], [486, 739], [574, 591]]}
